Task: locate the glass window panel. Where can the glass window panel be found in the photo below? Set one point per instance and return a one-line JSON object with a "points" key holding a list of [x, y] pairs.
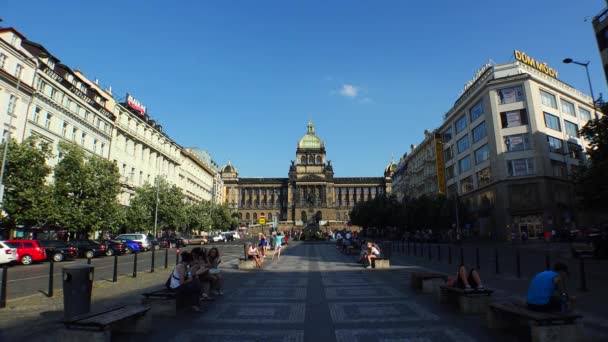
{"points": [[484, 177], [571, 128], [461, 124], [517, 142], [585, 114], [568, 108], [511, 95], [477, 110], [555, 144], [479, 132], [548, 99], [482, 154], [464, 164], [463, 144], [552, 122]]}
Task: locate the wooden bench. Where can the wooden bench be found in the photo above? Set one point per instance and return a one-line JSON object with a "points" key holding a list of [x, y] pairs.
{"points": [[427, 282], [97, 327], [165, 302], [381, 263], [470, 301], [544, 326]]}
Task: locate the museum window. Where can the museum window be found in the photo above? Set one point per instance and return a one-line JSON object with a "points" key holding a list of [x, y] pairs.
{"points": [[479, 132], [568, 108], [548, 99], [337, 216], [466, 185], [255, 216], [463, 144], [555, 144], [319, 160], [585, 114], [571, 128], [311, 160], [517, 142], [514, 118], [464, 164], [482, 154], [484, 177], [247, 217], [303, 160], [461, 124], [510, 95], [552, 122], [520, 167], [476, 111]]}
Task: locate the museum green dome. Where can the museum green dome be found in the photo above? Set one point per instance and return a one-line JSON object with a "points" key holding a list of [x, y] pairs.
{"points": [[310, 140]]}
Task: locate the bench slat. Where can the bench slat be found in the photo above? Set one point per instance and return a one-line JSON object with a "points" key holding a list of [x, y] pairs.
{"points": [[521, 310], [103, 319]]}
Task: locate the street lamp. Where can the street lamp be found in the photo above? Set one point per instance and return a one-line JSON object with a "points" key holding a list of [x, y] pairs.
{"points": [[10, 122], [586, 65]]}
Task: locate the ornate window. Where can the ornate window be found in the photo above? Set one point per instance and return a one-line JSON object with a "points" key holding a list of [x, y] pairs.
{"points": [[311, 160], [247, 217], [319, 160], [255, 216], [303, 160]]}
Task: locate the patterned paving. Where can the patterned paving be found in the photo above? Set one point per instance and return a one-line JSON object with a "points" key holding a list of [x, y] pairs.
{"points": [[240, 336], [355, 293], [402, 335], [354, 312]]}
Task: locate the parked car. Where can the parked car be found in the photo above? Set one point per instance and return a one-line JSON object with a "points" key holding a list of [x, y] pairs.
{"points": [[113, 247], [137, 237], [159, 243], [28, 251], [197, 240], [58, 250], [218, 238], [174, 241], [130, 245], [7, 253], [227, 236], [88, 248], [594, 245]]}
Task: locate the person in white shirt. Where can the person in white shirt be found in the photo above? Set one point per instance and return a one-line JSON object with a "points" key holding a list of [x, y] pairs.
{"points": [[372, 253], [348, 236], [252, 253]]}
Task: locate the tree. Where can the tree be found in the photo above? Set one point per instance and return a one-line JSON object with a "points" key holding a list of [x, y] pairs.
{"points": [[592, 179], [27, 197], [172, 209], [86, 190]]}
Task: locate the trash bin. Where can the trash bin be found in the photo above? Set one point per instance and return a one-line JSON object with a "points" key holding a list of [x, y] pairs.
{"points": [[77, 287]]}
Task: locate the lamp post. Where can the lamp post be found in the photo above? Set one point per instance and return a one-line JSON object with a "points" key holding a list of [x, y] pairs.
{"points": [[10, 124], [586, 65]]}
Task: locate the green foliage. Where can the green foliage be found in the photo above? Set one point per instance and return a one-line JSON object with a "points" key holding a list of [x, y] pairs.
{"points": [[27, 198], [593, 187]]}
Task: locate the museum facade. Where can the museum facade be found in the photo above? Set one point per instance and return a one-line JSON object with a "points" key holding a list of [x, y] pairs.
{"points": [[310, 193]]}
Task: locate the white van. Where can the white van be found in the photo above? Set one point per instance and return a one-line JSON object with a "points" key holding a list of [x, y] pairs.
{"points": [[143, 238]]}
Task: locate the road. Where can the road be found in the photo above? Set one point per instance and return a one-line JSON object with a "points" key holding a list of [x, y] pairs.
{"points": [[28, 280]]}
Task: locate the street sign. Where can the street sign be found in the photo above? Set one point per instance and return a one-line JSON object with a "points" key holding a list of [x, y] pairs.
{"points": [[262, 220]]}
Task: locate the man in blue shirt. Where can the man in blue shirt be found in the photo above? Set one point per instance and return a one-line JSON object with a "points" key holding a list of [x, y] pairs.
{"points": [[547, 289]]}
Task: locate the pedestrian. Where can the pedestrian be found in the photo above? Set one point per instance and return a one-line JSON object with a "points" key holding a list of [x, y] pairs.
{"points": [[263, 245], [278, 241], [548, 292], [252, 253]]}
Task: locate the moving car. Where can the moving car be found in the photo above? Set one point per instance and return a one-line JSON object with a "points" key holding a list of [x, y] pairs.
{"points": [[58, 250], [113, 247], [88, 248], [198, 240], [28, 251], [137, 237], [7, 253], [218, 238], [130, 246], [594, 245]]}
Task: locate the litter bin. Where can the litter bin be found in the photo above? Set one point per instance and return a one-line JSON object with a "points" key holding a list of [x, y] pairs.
{"points": [[77, 287]]}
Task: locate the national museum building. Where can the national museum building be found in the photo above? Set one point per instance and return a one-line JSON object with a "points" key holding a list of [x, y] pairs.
{"points": [[309, 194]]}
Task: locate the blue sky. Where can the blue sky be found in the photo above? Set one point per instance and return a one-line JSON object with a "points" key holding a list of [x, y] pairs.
{"points": [[241, 79]]}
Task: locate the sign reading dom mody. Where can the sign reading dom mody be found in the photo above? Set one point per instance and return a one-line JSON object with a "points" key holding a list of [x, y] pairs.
{"points": [[540, 66]]}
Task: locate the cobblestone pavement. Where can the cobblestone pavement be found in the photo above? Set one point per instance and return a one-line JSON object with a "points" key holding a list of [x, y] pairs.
{"points": [[314, 293]]}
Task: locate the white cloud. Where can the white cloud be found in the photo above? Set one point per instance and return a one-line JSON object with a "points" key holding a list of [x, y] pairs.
{"points": [[349, 90]]}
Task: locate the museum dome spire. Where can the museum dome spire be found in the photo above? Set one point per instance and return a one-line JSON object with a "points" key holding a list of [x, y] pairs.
{"points": [[310, 140]]}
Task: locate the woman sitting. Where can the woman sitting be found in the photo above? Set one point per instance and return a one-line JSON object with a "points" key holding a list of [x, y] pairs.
{"points": [[186, 283], [372, 253], [464, 281], [252, 253], [201, 267], [217, 281]]}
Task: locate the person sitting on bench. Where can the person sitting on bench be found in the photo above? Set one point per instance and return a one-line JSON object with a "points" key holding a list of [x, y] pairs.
{"points": [[200, 266], [184, 282], [464, 281], [252, 253], [372, 253], [548, 291]]}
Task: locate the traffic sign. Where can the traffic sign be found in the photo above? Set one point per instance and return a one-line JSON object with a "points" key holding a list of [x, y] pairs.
{"points": [[262, 220]]}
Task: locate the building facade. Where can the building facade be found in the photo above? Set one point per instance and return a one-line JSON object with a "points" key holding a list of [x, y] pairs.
{"points": [[511, 147], [310, 193], [600, 26]]}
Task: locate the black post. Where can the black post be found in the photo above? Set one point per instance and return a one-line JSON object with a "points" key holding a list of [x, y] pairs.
{"points": [[583, 283], [245, 251], [415, 250], [3, 286], [166, 258], [449, 254], [547, 261], [115, 273], [517, 263], [439, 253], [176, 257], [134, 265], [430, 255], [496, 260], [462, 255], [88, 261], [152, 266], [51, 271], [408, 247], [477, 258]]}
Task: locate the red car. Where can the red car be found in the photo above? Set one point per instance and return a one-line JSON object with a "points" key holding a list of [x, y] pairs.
{"points": [[28, 251]]}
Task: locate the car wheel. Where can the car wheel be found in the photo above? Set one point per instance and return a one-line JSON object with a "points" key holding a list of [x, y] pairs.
{"points": [[110, 252], [128, 250], [156, 247], [202, 242], [26, 260], [89, 254], [58, 257]]}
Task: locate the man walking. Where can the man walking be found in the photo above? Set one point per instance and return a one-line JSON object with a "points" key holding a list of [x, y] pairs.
{"points": [[278, 242]]}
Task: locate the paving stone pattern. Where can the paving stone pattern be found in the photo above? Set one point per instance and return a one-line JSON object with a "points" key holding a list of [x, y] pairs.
{"points": [[315, 293]]}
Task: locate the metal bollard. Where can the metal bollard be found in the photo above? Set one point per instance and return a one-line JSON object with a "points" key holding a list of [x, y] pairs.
{"points": [[430, 254], [115, 273], [439, 253], [176, 257], [88, 261], [408, 248], [51, 271], [3, 286], [496, 260], [547, 261], [134, 265], [462, 255], [477, 258], [166, 258], [583, 284], [415, 251], [152, 266], [450, 255], [517, 264]]}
